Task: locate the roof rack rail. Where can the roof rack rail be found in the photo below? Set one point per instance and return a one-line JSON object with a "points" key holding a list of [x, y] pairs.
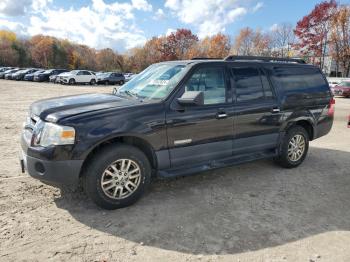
{"points": [[205, 58], [264, 59]]}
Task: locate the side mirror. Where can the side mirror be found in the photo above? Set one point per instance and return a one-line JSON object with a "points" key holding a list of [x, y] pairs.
{"points": [[192, 98]]}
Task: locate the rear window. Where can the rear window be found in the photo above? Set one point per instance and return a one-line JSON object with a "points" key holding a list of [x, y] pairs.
{"points": [[299, 79]]}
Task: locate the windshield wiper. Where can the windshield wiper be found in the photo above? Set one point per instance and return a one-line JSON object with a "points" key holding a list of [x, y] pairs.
{"points": [[132, 94]]}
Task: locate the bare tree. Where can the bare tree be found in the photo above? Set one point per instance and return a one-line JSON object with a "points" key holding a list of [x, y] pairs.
{"points": [[283, 38]]}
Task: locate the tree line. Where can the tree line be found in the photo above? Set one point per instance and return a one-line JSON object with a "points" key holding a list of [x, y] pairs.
{"points": [[322, 33]]}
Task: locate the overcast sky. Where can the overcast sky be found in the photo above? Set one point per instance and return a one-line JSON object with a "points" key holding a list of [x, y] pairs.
{"points": [[129, 23]]}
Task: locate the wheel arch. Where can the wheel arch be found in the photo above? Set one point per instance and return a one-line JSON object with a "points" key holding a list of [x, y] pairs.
{"points": [[306, 124], [135, 141]]}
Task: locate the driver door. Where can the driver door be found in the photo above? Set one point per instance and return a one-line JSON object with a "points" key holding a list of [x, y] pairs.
{"points": [[202, 133]]}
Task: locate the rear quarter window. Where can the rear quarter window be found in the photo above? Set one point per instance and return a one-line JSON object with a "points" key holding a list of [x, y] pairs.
{"points": [[300, 80]]}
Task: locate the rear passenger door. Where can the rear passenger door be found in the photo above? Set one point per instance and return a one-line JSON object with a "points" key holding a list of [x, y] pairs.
{"points": [[87, 76], [256, 110]]}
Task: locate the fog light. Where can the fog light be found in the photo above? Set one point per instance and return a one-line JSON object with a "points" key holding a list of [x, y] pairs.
{"points": [[39, 167]]}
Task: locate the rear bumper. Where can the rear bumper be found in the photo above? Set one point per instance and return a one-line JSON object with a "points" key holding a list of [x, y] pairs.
{"points": [[323, 127], [56, 173]]}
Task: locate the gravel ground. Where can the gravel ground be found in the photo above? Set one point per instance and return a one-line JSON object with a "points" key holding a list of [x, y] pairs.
{"points": [[252, 212]]}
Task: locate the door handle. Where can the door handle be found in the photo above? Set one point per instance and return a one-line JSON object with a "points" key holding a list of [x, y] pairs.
{"points": [[276, 110], [221, 115]]}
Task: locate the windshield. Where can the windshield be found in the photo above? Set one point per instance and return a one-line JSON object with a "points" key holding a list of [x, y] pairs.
{"points": [[154, 83], [347, 84]]}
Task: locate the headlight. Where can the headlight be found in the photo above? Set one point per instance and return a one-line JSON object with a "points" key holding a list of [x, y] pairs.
{"points": [[48, 134]]}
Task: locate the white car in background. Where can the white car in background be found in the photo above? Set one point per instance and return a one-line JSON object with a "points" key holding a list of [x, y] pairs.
{"points": [[128, 76], [78, 76]]}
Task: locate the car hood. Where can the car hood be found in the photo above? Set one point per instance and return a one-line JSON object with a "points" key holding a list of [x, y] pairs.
{"points": [[68, 74], [43, 74], [55, 109], [64, 74], [102, 77]]}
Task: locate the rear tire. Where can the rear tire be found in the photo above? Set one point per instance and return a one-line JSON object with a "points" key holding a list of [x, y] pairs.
{"points": [[294, 147], [114, 166], [121, 82]]}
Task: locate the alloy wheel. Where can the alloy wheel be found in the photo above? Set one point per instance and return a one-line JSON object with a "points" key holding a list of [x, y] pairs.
{"points": [[296, 148], [121, 179]]}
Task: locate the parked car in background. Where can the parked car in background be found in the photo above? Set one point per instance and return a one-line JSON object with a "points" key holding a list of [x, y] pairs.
{"points": [[55, 78], [174, 119], [2, 74], [30, 77], [44, 77], [128, 76], [3, 69], [110, 78], [60, 77], [343, 89], [333, 81], [21, 74], [79, 76], [9, 75]]}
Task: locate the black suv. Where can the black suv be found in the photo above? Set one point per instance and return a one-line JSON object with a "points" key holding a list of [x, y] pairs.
{"points": [[112, 78], [177, 118]]}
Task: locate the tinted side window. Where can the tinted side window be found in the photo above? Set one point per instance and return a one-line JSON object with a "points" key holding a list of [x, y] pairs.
{"points": [[248, 84], [266, 85], [80, 73], [87, 73], [212, 82], [299, 79]]}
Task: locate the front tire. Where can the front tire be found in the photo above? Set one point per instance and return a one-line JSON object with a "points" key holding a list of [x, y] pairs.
{"points": [[294, 147], [92, 82], [117, 176], [71, 81]]}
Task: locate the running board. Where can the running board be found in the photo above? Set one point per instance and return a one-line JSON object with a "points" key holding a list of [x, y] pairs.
{"points": [[215, 164]]}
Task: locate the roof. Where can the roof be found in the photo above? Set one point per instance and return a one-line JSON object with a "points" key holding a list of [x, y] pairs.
{"points": [[246, 59]]}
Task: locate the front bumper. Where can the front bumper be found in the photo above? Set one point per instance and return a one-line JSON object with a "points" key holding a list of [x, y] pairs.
{"points": [[39, 79], [28, 78], [53, 172]]}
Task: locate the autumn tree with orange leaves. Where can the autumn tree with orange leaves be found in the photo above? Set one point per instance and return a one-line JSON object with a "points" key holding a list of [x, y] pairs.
{"points": [[252, 42], [340, 39], [313, 31]]}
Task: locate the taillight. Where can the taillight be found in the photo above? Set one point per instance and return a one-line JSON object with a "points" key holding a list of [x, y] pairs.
{"points": [[331, 107]]}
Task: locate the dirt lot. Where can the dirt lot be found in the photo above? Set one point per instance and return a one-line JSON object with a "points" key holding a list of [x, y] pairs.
{"points": [[251, 212]]}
